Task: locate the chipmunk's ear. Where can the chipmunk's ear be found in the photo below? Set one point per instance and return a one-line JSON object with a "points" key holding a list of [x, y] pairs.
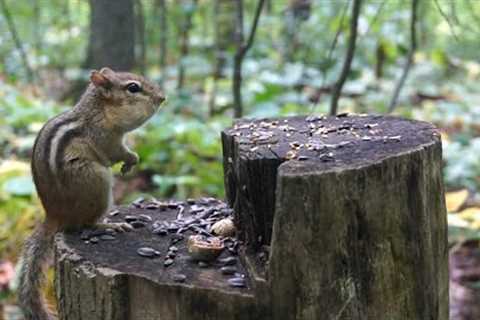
{"points": [[101, 79]]}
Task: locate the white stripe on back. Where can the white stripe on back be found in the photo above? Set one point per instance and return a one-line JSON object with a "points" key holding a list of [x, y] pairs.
{"points": [[62, 130]]}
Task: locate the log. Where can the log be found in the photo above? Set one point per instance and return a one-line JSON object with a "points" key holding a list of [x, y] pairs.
{"points": [[357, 209], [337, 218]]}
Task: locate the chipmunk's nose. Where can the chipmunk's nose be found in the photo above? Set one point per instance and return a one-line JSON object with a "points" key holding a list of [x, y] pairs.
{"points": [[159, 98]]}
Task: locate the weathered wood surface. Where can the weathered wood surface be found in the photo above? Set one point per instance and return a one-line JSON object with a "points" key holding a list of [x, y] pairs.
{"points": [[108, 280], [343, 218], [358, 214]]}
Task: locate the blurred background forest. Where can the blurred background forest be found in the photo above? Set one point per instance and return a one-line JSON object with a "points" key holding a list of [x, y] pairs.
{"points": [[219, 59]]}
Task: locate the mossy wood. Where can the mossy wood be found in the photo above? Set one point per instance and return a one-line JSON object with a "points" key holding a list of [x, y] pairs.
{"points": [[341, 217]]}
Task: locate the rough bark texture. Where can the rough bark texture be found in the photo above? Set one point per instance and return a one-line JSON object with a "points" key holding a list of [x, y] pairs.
{"points": [[344, 218], [359, 220], [112, 35], [108, 280]]}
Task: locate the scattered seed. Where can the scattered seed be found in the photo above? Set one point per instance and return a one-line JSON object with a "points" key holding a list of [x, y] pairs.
{"points": [[228, 270], [172, 228], [168, 262], [138, 224], [107, 237], [179, 277], [172, 205], [94, 240], [395, 138], [173, 249], [146, 252], [130, 218], [237, 282], [229, 261], [161, 231], [114, 213], [152, 206], [144, 217]]}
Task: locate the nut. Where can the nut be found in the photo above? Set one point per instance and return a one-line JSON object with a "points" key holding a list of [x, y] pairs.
{"points": [[223, 228], [204, 249]]}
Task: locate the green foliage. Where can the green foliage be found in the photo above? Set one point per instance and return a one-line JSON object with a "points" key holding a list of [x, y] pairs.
{"points": [[289, 70]]}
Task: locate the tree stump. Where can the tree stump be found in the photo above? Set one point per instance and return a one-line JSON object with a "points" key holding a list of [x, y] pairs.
{"points": [[338, 218], [103, 276], [357, 209]]}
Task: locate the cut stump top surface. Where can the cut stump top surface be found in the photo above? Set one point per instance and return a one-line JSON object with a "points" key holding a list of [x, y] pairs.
{"points": [[120, 254], [321, 143]]}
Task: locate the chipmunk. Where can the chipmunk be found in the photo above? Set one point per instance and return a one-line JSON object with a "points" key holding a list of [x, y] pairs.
{"points": [[71, 162]]}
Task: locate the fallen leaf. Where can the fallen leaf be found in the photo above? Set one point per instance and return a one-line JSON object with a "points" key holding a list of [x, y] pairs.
{"points": [[456, 199], [472, 214]]}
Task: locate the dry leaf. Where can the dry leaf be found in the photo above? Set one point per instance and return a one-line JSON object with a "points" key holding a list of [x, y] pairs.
{"points": [[456, 199], [472, 214]]}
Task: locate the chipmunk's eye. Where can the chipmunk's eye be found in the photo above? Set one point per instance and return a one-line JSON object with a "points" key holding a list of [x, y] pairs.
{"points": [[133, 87]]}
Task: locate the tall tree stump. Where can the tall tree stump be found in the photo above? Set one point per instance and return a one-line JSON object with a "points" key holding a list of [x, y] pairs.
{"points": [[337, 218], [357, 209]]}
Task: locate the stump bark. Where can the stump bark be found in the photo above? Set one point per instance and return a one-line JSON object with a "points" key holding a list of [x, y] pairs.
{"points": [[358, 214], [338, 218], [102, 277]]}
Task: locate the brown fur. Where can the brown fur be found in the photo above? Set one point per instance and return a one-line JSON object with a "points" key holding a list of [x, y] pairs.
{"points": [[70, 164]]}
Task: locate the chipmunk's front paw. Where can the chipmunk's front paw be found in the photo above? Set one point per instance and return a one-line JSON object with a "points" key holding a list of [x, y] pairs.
{"points": [[128, 163]]}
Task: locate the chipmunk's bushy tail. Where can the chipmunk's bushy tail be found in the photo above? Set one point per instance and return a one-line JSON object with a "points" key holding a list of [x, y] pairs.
{"points": [[35, 256]]}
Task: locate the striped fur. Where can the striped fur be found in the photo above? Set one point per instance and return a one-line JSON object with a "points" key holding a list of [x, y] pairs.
{"points": [[50, 145], [58, 141], [35, 256]]}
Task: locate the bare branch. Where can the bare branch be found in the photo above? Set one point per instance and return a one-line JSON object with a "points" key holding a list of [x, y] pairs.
{"points": [[348, 57], [16, 39], [253, 30], [411, 53], [338, 32], [375, 18], [447, 19]]}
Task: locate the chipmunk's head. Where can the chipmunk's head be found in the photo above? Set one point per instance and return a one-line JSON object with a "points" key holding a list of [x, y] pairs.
{"points": [[130, 99]]}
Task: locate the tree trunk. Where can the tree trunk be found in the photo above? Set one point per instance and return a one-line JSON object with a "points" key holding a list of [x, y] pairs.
{"points": [[224, 16], [185, 43], [141, 41], [112, 35], [162, 7]]}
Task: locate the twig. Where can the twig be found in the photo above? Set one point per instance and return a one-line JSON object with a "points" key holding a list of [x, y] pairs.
{"points": [[348, 58], [242, 49], [375, 18], [16, 39], [411, 52], [335, 39], [447, 19]]}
